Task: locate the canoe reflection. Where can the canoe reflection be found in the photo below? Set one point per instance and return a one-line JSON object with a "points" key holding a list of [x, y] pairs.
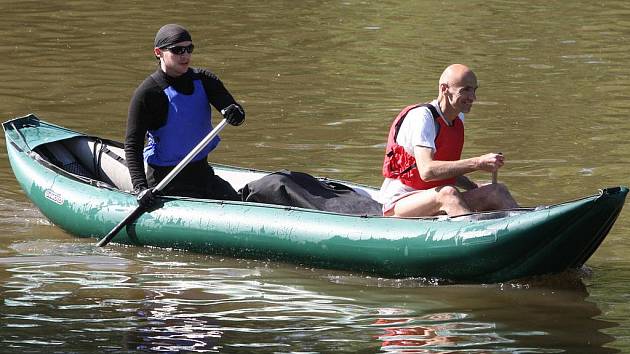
{"points": [[417, 336], [546, 314], [403, 335]]}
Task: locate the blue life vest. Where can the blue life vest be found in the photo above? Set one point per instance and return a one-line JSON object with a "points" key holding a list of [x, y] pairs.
{"points": [[188, 122]]}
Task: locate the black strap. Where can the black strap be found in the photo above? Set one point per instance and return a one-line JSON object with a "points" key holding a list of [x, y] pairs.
{"points": [[98, 154], [431, 108], [413, 165], [435, 115], [115, 156]]}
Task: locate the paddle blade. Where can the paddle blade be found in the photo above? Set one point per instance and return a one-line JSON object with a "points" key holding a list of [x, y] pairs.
{"points": [[129, 219]]}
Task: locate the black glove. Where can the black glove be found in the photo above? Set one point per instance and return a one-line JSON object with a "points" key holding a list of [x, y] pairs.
{"points": [[145, 197], [234, 114]]}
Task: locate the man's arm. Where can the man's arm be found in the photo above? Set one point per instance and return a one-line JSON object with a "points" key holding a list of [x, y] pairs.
{"points": [[432, 170], [147, 111], [221, 98], [218, 94], [134, 144]]}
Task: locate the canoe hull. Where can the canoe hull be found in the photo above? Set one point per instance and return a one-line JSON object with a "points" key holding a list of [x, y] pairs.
{"points": [[549, 240]]}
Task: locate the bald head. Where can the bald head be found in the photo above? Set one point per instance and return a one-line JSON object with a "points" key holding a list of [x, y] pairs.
{"points": [[456, 74]]}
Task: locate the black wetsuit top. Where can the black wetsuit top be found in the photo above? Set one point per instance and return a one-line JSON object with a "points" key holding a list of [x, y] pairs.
{"points": [[148, 110]]}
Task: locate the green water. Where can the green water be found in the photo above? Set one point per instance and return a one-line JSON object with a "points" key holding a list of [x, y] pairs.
{"points": [[321, 82]]}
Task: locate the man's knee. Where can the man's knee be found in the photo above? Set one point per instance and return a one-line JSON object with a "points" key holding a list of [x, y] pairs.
{"points": [[448, 194]]}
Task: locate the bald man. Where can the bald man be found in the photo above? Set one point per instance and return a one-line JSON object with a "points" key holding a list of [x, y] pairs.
{"points": [[423, 169]]}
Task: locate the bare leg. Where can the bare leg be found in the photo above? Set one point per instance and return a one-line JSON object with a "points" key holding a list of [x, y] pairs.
{"points": [[490, 197], [431, 202]]}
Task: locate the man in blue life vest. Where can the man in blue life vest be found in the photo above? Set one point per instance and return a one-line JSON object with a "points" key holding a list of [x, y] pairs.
{"points": [[423, 170], [171, 109]]}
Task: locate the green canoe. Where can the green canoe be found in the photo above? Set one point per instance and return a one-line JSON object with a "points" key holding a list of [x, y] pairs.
{"points": [[80, 183]]}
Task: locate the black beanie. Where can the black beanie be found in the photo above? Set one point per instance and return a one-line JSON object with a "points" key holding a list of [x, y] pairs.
{"points": [[171, 34]]}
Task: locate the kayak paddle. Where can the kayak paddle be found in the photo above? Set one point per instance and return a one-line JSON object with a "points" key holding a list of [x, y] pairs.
{"points": [[180, 166]]}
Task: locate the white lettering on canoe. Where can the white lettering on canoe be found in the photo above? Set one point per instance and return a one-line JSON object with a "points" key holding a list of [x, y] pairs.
{"points": [[54, 197], [478, 236]]}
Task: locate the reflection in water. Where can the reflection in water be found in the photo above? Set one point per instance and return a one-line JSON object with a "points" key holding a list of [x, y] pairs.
{"points": [[535, 319], [152, 300], [403, 335]]}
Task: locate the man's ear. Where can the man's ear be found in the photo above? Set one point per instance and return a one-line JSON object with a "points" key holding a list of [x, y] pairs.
{"points": [[157, 52], [443, 88]]}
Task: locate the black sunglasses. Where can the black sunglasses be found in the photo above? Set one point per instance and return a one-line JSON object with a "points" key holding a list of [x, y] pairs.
{"points": [[179, 49]]}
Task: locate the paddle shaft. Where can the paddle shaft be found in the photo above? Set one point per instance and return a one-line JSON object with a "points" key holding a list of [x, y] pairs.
{"points": [[180, 166], [495, 173]]}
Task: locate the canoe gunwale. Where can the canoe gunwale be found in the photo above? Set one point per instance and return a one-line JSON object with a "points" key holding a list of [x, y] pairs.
{"points": [[19, 132], [475, 216]]}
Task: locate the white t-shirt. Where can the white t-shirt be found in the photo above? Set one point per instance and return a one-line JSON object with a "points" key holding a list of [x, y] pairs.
{"points": [[417, 129]]}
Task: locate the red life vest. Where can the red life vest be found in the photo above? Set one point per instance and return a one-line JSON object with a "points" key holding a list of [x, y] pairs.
{"points": [[401, 165]]}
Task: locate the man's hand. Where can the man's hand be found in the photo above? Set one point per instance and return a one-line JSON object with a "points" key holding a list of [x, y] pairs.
{"points": [[490, 162], [234, 114], [145, 197]]}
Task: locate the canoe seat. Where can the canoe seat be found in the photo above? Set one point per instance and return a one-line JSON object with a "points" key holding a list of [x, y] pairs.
{"points": [[91, 158], [57, 154], [103, 159]]}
